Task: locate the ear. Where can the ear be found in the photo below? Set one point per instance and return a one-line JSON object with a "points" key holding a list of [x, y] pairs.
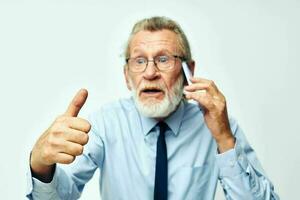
{"points": [[191, 65], [126, 76]]}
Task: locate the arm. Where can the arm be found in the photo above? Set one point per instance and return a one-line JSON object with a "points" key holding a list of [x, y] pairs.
{"points": [[68, 181], [241, 174], [61, 143]]}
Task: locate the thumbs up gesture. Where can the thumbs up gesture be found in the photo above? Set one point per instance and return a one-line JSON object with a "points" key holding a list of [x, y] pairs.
{"points": [[62, 141]]}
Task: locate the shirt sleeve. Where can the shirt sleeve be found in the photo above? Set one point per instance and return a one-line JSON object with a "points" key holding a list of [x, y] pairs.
{"points": [[240, 173], [40, 190], [69, 180]]}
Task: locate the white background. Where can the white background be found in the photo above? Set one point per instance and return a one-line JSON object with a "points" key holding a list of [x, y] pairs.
{"points": [[50, 49]]}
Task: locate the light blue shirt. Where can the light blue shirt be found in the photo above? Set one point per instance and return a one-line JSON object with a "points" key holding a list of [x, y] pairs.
{"points": [[122, 145]]}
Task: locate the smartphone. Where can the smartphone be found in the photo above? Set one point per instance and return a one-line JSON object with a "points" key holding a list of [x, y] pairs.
{"points": [[187, 72]]}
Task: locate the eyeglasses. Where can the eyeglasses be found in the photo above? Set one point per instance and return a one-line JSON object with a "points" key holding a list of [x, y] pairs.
{"points": [[163, 63]]}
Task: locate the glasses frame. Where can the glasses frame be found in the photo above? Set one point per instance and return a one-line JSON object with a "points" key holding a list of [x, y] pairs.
{"points": [[155, 64]]}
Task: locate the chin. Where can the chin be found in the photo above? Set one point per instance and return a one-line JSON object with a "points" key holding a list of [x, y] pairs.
{"points": [[156, 108], [149, 101]]}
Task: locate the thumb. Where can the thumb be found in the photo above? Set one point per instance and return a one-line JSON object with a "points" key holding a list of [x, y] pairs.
{"points": [[77, 103]]}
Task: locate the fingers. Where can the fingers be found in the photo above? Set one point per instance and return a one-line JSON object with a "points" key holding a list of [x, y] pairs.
{"points": [[64, 158], [77, 103], [73, 129], [65, 152], [79, 124], [71, 148], [64, 139], [74, 123], [204, 98], [76, 136], [205, 92], [53, 149], [202, 84]]}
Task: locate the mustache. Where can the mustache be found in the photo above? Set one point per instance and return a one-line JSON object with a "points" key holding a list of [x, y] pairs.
{"points": [[151, 86]]}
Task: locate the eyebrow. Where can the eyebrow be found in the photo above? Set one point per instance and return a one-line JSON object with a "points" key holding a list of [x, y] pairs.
{"points": [[162, 51]]}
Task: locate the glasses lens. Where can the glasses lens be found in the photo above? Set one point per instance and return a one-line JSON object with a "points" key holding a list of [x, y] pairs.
{"points": [[165, 62], [137, 64]]}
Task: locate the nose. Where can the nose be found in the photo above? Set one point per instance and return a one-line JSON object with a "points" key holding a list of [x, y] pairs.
{"points": [[151, 72]]}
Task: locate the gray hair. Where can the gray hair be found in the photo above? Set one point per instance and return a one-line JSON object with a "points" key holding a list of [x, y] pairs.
{"points": [[160, 23]]}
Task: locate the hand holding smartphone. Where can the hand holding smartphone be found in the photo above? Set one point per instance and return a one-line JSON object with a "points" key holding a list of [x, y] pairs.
{"points": [[188, 74]]}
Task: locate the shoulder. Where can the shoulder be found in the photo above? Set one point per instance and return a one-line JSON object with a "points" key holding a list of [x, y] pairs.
{"points": [[122, 104], [234, 126], [113, 110], [194, 111], [113, 118]]}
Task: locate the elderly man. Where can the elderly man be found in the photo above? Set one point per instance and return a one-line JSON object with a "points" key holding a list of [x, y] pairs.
{"points": [[154, 145]]}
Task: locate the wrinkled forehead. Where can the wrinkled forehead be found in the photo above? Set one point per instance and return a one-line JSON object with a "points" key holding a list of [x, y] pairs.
{"points": [[154, 41]]}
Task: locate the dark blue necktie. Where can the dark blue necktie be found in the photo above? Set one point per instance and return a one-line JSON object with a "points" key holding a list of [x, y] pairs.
{"points": [[161, 168]]}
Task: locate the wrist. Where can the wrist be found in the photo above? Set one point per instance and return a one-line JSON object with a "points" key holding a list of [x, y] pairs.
{"points": [[41, 171], [226, 142]]}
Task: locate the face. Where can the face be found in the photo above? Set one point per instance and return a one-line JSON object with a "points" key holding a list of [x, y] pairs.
{"points": [[156, 93]]}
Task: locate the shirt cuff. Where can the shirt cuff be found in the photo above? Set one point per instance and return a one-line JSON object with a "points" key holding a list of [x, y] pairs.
{"points": [[44, 187], [35, 185], [232, 162]]}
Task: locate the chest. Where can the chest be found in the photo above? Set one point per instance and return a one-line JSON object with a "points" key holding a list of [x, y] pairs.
{"points": [[191, 161]]}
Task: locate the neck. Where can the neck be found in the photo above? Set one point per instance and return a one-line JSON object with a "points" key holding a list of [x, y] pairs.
{"points": [[163, 118]]}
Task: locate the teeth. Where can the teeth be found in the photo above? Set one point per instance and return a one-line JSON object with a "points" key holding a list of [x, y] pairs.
{"points": [[151, 90]]}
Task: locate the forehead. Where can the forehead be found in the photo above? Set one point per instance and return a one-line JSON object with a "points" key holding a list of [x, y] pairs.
{"points": [[154, 41]]}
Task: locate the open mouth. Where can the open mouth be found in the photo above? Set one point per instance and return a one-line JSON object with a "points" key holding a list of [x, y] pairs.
{"points": [[151, 91]]}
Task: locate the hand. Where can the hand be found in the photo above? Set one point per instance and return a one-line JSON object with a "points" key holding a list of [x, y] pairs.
{"points": [[62, 141], [206, 93]]}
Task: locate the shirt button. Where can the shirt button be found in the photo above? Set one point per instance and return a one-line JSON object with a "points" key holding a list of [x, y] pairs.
{"points": [[240, 157], [231, 163]]}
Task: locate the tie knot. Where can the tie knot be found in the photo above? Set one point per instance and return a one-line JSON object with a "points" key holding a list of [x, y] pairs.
{"points": [[162, 126]]}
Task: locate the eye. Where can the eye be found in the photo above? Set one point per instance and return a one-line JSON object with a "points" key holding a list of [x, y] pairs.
{"points": [[140, 60], [162, 59]]}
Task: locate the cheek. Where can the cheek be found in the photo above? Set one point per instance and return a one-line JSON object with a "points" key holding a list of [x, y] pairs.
{"points": [[134, 81], [170, 80]]}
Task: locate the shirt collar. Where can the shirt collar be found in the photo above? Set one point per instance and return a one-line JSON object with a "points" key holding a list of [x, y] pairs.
{"points": [[173, 121]]}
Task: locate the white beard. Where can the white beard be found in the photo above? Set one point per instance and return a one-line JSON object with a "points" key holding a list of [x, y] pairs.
{"points": [[154, 109]]}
